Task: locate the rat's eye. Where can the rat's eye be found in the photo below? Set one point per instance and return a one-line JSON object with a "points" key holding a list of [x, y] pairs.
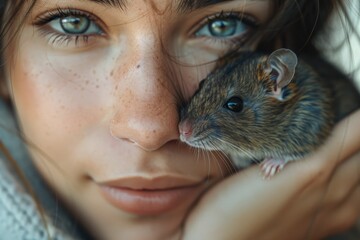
{"points": [[234, 104]]}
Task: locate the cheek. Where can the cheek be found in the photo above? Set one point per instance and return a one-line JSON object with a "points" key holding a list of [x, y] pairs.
{"points": [[192, 68], [56, 104], [190, 79]]}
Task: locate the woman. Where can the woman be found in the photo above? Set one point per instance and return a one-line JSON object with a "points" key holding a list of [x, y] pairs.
{"points": [[96, 86]]}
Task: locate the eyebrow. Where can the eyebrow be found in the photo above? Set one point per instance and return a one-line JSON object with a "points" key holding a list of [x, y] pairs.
{"points": [[191, 5], [112, 3], [183, 5]]}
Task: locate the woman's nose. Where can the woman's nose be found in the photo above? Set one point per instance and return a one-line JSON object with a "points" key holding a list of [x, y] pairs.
{"points": [[146, 112]]}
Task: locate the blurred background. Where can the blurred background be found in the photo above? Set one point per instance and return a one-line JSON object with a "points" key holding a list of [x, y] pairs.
{"points": [[339, 51]]}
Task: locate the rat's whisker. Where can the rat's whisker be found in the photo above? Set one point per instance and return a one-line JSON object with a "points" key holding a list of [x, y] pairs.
{"points": [[230, 167], [237, 148], [220, 153], [213, 153]]}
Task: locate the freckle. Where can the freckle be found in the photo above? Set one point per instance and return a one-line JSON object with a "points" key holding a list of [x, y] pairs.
{"points": [[75, 74], [97, 86], [87, 82], [138, 66], [112, 73], [154, 131]]}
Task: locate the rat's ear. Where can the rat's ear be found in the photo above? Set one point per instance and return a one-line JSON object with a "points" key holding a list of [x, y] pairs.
{"points": [[281, 66]]}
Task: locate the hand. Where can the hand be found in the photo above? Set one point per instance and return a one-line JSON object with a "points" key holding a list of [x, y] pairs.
{"points": [[310, 199]]}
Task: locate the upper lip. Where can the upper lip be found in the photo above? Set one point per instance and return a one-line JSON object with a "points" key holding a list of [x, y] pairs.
{"points": [[152, 183]]}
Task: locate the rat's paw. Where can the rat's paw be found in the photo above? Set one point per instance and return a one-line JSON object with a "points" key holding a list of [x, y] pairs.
{"points": [[270, 167]]}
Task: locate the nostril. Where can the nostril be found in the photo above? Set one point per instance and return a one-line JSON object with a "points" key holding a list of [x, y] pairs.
{"points": [[185, 129]]}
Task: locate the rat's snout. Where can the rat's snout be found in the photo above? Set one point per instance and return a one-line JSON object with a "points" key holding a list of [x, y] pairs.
{"points": [[185, 130]]}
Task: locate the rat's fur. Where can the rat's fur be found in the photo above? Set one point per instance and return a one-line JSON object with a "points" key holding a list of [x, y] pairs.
{"points": [[267, 127]]}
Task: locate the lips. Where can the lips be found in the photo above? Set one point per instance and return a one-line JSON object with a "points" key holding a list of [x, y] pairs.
{"points": [[151, 196]]}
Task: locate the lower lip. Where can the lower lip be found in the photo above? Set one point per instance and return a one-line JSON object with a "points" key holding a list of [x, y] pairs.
{"points": [[149, 202]]}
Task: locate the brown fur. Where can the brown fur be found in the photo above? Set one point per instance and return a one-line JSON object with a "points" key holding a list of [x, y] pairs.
{"points": [[266, 127]]}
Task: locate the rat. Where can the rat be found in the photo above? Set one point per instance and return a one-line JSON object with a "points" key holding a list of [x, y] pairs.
{"points": [[267, 108]]}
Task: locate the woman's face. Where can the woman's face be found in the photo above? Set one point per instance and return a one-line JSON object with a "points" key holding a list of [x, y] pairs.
{"points": [[97, 88]]}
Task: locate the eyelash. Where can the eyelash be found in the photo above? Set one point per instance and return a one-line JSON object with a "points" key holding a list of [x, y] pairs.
{"points": [[58, 38]]}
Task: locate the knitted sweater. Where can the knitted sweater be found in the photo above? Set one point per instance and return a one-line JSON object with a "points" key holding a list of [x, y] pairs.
{"points": [[19, 217]]}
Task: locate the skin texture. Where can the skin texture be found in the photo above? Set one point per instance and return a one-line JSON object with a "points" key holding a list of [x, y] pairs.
{"points": [[107, 108]]}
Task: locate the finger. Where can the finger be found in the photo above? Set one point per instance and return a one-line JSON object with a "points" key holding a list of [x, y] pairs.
{"points": [[342, 219], [345, 139], [345, 179], [338, 195], [343, 143], [340, 207]]}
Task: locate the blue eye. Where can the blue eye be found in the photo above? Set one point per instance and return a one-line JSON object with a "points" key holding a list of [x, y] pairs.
{"points": [[69, 28], [75, 25], [227, 25]]}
